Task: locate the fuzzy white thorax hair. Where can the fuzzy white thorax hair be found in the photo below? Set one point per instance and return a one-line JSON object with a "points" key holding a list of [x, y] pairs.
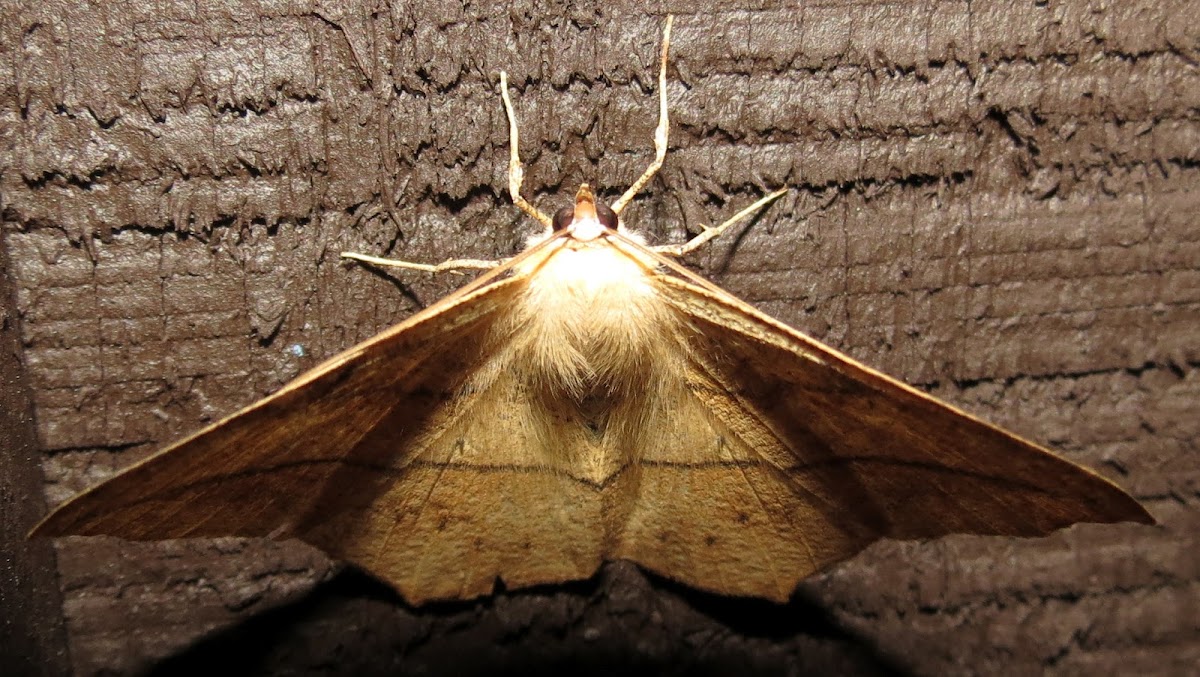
{"points": [[592, 315], [589, 349]]}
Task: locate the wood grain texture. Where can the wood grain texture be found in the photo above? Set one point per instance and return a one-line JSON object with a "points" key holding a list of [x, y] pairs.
{"points": [[33, 639], [995, 200]]}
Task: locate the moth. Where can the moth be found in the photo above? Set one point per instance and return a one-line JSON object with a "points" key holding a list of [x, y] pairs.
{"points": [[587, 400]]}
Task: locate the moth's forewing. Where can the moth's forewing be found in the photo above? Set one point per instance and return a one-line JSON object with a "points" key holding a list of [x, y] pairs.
{"points": [[269, 467], [800, 457], [393, 455], [904, 463]]}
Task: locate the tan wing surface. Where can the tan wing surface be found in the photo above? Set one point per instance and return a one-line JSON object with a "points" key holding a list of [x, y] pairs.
{"points": [[265, 466], [477, 495], [379, 456], [797, 457]]}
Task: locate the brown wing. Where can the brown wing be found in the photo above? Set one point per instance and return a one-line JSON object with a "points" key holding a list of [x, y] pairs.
{"points": [[799, 457], [407, 455], [264, 468]]}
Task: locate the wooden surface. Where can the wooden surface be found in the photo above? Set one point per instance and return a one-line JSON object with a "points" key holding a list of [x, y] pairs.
{"points": [[33, 638], [996, 201]]}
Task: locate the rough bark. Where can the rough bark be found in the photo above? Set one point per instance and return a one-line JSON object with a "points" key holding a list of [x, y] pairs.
{"points": [[994, 200]]}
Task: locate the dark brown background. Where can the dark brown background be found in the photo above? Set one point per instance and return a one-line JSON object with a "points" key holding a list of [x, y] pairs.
{"points": [[994, 200]]}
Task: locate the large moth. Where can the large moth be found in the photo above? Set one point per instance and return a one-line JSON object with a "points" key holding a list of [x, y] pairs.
{"points": [[588, 400]]}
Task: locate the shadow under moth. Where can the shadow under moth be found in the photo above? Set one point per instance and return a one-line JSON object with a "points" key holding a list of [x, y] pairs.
{"points": [[587, 400]]}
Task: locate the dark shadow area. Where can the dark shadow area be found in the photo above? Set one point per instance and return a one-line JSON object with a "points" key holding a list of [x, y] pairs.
{"points": [[32, 635], [355, 625], [757, 618], [801, 617], [391, 278], [733, 239]]}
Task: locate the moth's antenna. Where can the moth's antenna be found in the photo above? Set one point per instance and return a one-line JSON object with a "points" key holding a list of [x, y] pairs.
{"points": [[516, 173], [709, 233], [660, 133], [453, 265], [663, 254]]}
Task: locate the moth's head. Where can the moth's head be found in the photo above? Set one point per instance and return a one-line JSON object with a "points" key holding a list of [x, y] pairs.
{"points": [[587, 220]]}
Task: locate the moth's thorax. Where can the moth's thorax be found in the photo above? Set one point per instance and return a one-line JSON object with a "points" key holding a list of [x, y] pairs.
{"points": [[581, 269], [586, 230], [593, 314]]}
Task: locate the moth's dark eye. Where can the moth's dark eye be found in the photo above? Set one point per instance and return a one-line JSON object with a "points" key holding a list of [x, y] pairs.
{"points": [[608, 218], [563, 218]]}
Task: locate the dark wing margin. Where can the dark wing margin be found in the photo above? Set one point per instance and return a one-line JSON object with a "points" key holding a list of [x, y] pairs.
{"points": [[264, 470], [905, 464]]}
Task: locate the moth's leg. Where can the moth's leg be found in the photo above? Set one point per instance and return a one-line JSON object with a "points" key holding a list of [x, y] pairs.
{"points": [[516, 173], [660, 132], [709, 233], [454, 265]]}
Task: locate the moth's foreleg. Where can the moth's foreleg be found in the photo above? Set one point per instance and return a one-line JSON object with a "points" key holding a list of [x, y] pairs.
{"points": [[516, 173], [660, 132], [709, 233], [453, 265]]}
